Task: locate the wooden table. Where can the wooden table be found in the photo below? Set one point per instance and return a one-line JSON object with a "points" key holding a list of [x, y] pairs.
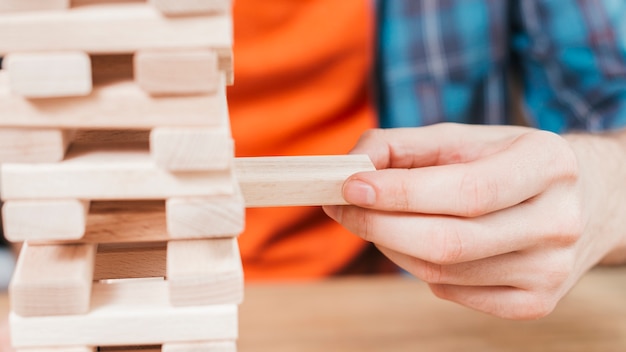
{"points": [[400, 314]]}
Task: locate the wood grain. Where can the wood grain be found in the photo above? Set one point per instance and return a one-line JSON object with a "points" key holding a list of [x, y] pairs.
{"points": [[204, 272], [49, 74], [108, 322], [192, 149], [292, 181], [111, 28], [197, 217], [38, 145], [33, 5], [191, 7], [59, 349], [130, 263], [108, 173], [219, 346], [44, 220], [179, 72], [117, 103], [52, 280]]}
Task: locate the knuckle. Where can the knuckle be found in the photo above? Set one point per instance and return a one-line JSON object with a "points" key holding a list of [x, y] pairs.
{"points": [[476, 195], [430, 273], [568, 226], [447, 247], [563, 163], [556, 272]]}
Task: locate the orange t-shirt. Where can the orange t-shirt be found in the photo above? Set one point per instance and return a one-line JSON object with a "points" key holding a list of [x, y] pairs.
{"points": [[301, 88]]}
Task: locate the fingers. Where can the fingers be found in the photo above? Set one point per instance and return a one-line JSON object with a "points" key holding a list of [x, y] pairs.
{"points": [[501, 301], [449, 240], [531, 270], [432, 145], [510, 176]]}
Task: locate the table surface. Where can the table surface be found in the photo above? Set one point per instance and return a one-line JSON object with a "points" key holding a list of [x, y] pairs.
{"points": [[400, 314]]}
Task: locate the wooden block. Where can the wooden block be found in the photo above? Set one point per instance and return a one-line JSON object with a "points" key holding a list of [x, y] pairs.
{"points": [[49, 75], [44, 220], [33, 5], [180, 72], [110, 29], [192, 149], [52, 280], [191, 7], [204, 272], [58, 349], [195, 217], [23, 145], [210, 346], [130, 262], [291, 181], [113, 104], [128, 313], [108, 173]]}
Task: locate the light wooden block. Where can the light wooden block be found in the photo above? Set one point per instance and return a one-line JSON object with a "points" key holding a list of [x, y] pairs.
{"points": [[191, 7], [58, 349], [292, 181], [49, 75], [44, 220], [195, 217], [33, 5], [126, 314], [108, 173], [52, 280], [113, 104], [111, 28], [180, 72], [192, 149], [211, 346], [130, 263], [38, 145], [204, 272]]}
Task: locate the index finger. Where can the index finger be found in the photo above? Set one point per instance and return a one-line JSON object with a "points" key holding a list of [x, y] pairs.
{"points": [[521, 170]]}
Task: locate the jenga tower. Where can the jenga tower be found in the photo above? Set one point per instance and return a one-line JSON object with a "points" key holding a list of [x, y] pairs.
{"points": [[118, 174], [118, 168]]}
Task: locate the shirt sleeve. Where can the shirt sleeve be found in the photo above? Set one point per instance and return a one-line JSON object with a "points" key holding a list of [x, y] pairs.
{"points": [[573, 55]]}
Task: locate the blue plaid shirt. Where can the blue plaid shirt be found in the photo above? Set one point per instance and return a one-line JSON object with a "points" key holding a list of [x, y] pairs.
{"points": [[449, 60]]}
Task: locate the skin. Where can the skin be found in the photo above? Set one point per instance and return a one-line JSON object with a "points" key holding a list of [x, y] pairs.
{"points": [[501, 219]]}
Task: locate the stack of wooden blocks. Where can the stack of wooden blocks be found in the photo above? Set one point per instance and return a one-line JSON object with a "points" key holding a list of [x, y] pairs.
{"points": [[118, 174]]}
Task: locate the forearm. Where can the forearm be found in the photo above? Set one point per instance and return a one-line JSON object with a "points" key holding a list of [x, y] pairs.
{"points": [[602, 164]]}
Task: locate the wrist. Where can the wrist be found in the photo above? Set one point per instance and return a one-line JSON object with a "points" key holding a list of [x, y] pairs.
{"points": [[602, 177]]}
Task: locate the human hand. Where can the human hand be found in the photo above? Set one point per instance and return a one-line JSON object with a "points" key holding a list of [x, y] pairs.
{"points": [[5, 342], [496, 218]]}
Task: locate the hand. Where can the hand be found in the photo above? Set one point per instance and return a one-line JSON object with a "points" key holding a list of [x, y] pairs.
{"points": [[497, 218], [5, 344]]}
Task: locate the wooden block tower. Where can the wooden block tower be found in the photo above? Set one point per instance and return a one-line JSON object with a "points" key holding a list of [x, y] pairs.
{"points": [[117, 111], [118, 174]]}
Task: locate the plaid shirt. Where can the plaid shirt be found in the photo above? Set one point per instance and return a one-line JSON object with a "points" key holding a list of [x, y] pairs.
{"points": [[448, 60]]}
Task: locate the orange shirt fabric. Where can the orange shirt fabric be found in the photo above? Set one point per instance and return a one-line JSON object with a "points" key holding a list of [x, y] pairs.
{"points": [[301, 88]]}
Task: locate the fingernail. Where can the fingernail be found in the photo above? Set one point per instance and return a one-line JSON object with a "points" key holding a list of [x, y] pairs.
{"points": [[359, 193]]}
